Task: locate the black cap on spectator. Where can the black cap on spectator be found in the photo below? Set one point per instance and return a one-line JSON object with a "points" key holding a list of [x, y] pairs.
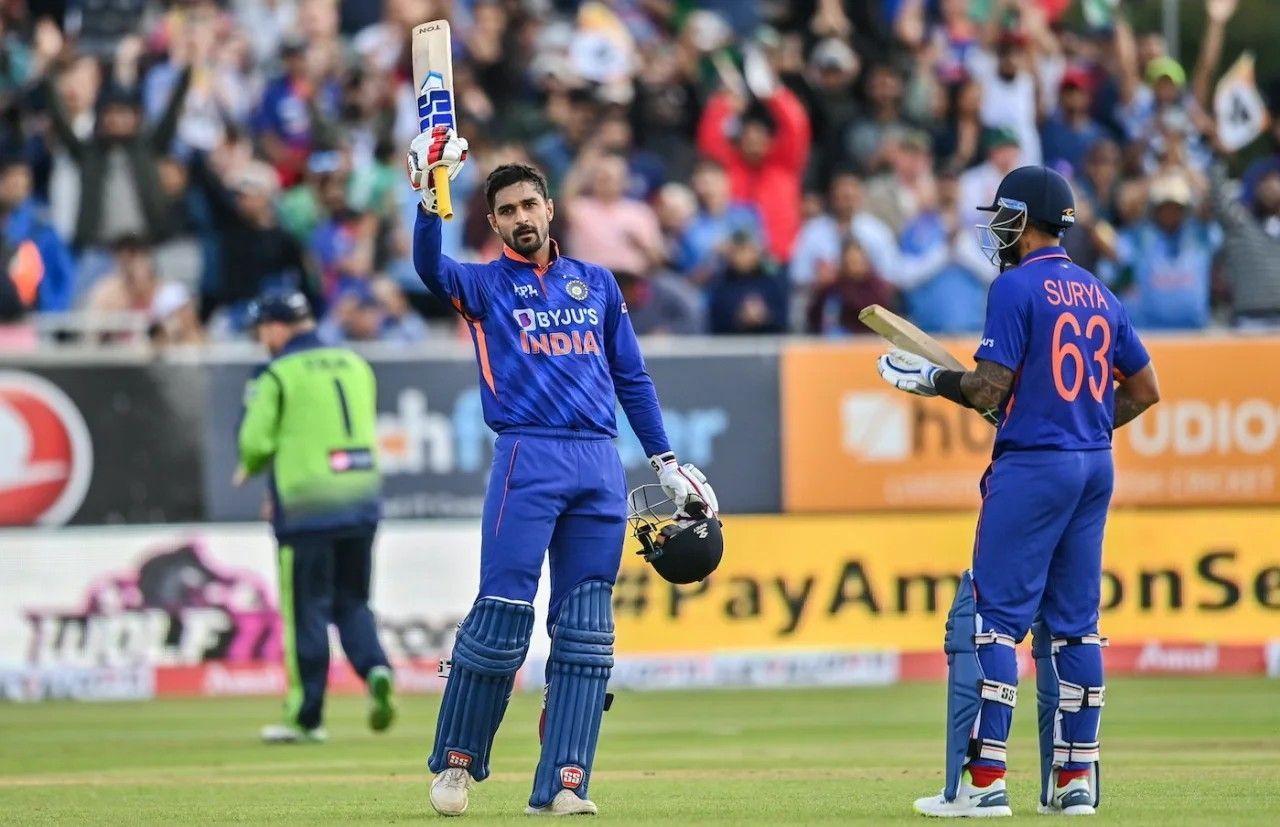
{"points": [[292, 44], [12, 159], [116, 95], [130, 242]]}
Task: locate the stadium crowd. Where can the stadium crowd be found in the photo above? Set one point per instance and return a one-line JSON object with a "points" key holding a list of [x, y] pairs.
{"points": [[743, 166]]}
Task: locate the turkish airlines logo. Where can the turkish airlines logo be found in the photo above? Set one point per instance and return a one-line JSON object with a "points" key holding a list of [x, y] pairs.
{"points": [[46, 456]]}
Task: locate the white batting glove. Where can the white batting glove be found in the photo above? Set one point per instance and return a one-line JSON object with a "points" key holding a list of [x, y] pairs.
{"points": [[908, 372], [441, 146], [685, 484]]}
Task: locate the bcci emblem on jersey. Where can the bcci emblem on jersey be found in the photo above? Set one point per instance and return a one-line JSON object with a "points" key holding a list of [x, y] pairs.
{"points": [[577, 289]]}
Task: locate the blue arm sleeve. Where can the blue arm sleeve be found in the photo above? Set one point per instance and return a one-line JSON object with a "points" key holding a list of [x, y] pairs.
{"points": [[630, 377], [1004, 336], [58, 286], [462, 285], [1130, 354]]}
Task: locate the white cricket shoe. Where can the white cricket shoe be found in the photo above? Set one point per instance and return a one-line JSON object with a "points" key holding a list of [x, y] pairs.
{"points": [[291, 734], [564, 804], [449, 791], [971, 802], [1073, 799]]}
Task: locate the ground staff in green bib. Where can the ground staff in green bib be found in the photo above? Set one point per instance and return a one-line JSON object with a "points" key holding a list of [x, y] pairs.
{"points": [[310, 424]]}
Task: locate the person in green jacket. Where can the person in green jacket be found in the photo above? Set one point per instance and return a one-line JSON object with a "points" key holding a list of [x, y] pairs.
{"points": [[310, 423]]}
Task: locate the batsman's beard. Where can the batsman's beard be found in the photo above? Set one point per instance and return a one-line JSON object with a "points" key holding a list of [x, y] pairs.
{"points": [[532, 243]]}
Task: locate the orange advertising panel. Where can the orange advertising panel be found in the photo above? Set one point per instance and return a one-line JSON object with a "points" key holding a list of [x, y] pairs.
{"points": [[886, 581], [852, 443]]}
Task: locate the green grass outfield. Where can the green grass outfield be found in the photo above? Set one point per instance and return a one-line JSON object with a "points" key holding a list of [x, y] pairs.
{"points": [[1203, 751]]}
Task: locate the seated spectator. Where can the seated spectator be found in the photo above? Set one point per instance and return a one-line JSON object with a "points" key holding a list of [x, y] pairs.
{"points": [[978, 184], [948, 292], [1251, 247], [20, 273], [832, 103], [605, 226], [957, 139], [718, 217], [748, 296], [22, 220], [834, 307], [659, 303], [645, 170], [1100, 178], [309, 202], [1167, 261], [354, 316], [1068, 134], [675, 207], [174, 320], [256, 251], [817, 251], [1008, 80], [863, 137], [896, 197], [400, 322], [296, 109], [133, 287]]}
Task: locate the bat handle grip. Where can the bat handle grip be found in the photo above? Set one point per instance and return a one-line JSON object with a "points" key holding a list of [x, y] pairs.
{"points": [[444, 200]]}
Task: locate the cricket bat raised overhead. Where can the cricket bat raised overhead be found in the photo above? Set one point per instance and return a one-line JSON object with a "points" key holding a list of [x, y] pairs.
{"points": [[433, 79], [901, 333]]}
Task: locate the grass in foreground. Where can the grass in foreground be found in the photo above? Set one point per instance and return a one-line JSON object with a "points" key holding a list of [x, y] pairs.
{"points": [[1202, 751]]}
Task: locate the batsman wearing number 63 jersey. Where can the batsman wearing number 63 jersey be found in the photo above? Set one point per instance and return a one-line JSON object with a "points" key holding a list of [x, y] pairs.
{"points": [[556, 353], [1061, 365]]}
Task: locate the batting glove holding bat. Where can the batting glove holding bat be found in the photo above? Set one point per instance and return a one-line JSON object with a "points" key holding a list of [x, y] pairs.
{"points": [[441, 146], [908, 372], [685, 484]]}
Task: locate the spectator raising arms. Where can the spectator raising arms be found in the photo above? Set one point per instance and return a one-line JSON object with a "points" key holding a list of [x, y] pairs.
{"points": [[120, 192], [764, 146]]}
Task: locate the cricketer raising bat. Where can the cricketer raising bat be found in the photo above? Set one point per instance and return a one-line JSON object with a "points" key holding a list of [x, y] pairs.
{"points": [[433, 78], [901, 333]]}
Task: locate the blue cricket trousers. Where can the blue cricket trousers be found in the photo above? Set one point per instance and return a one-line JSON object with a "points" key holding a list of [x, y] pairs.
{"points": [[324, 578], [1039, 541], [554, 492]]}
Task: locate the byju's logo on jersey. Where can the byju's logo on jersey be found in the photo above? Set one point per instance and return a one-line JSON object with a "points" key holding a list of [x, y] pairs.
{"points": [[435, 103], [572, 330]]}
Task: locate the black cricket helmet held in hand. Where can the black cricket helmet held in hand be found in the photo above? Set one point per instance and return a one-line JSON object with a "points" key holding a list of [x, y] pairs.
{"points": [[683, 547], [1028, 196]]}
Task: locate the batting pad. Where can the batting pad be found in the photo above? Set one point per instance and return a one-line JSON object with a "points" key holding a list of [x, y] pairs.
{"points": [[1069, 699], [487, 653], [578, 670]]}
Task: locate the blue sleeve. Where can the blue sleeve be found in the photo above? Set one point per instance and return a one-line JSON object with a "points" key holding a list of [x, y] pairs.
{"points": [[462, 285], [631, 379], [1004, 336], [57, 289], [1130, 354]]}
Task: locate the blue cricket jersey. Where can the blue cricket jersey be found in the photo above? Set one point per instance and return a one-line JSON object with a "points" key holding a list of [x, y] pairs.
{"points": [[554, 345], [1066, 337]]}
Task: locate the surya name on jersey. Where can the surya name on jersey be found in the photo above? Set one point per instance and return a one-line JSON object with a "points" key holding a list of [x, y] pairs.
{"points": [[579, 339], [1074, 294]]}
